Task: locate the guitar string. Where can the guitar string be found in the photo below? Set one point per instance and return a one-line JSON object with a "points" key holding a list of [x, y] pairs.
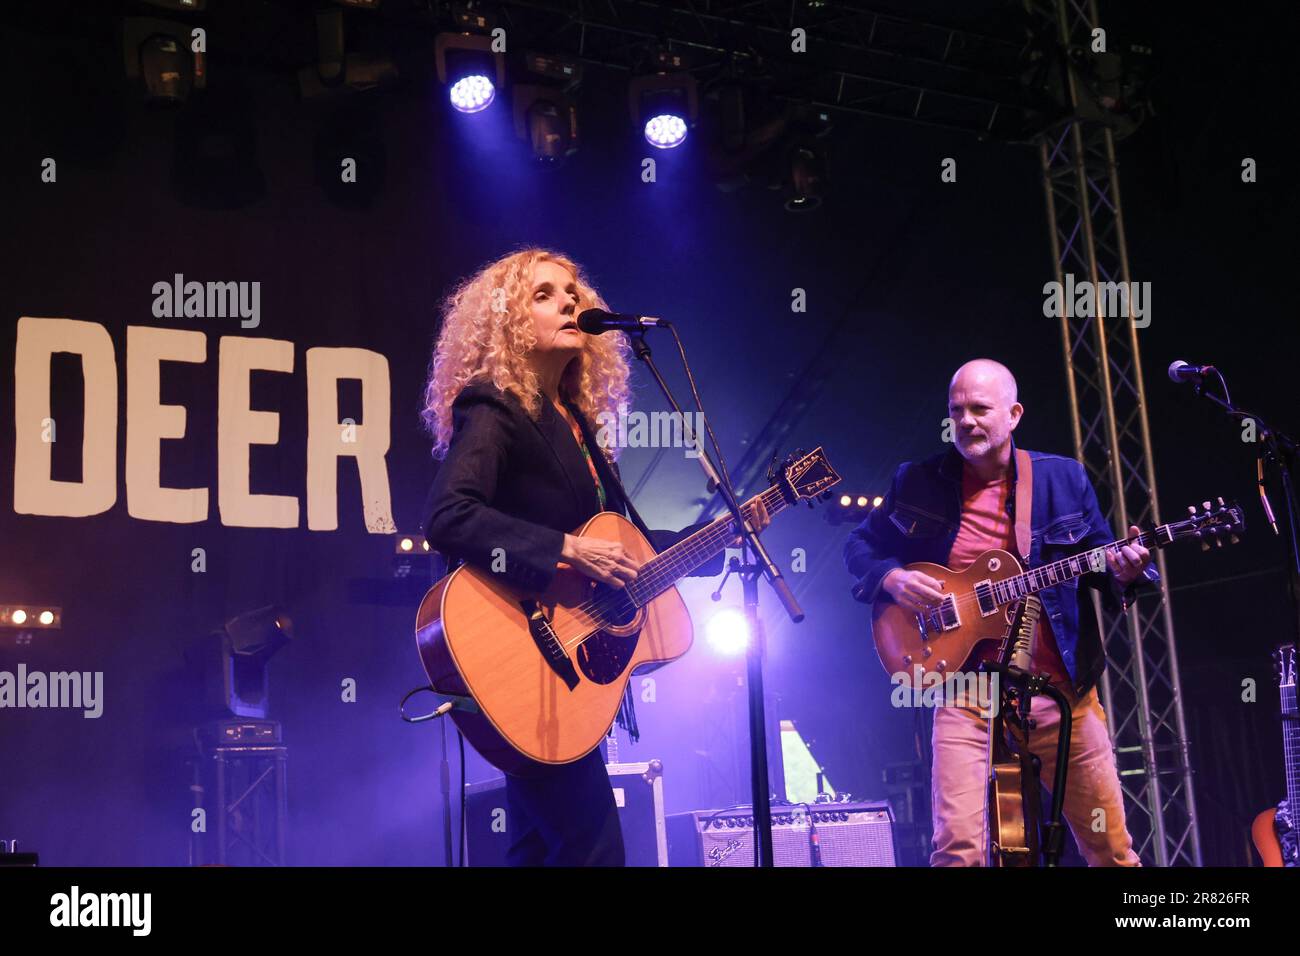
{"points": [[692, 553], [1175, 529], [1062, 566]]}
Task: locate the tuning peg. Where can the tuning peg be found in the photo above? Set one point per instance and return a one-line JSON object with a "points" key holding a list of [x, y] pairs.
{"points": [[1220, 501], [1233, 539], [1205, 505], [1191, 510], [1218, 542], [1205, 546]]}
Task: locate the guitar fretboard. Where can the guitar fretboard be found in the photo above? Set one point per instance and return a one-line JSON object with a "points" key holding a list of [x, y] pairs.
{"points": [[1035, 579], [1290, 743], [664, 570]]}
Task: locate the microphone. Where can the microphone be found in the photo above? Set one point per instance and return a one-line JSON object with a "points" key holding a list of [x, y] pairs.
{"points": [[598, 321], [1180, 371]]}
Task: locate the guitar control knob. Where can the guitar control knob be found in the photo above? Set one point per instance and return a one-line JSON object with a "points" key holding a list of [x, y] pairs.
{"points": [[907, 660], [926, 652], [941, 666]]}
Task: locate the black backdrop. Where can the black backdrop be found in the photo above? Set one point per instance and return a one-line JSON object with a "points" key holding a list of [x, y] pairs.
{"points": [[928, 275]]}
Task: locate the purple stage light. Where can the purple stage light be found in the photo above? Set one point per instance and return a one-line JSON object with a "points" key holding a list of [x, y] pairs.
{"points": [[728, 632], [665, 131], [472, 93]]}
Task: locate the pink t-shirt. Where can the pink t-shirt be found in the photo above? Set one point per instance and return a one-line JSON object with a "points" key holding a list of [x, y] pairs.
{"points": [[985, 525]]}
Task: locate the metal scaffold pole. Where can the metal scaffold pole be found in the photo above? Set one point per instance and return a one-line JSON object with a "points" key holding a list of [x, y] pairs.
{"points": [[1112, 438]]}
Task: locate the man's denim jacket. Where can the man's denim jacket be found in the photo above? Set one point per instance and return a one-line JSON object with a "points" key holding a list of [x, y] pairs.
{"points": [[919, 518]]}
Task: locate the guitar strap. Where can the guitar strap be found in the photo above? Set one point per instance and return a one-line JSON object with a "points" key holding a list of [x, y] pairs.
{"points": [[1024, 503], [608, 473]]}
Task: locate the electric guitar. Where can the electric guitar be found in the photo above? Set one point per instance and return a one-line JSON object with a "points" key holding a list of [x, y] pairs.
{"points": [[1276, 836], [539, 678], [979, 601]]}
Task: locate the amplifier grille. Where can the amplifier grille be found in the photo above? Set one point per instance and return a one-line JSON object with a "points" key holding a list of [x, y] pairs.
{"points": [[848, 834]]}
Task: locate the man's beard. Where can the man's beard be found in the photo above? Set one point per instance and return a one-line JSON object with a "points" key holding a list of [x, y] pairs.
{"points": [[975, 447]]}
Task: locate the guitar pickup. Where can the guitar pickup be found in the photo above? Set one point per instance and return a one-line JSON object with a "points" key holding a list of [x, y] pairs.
{"points": [[984, 595], [947, 614]]}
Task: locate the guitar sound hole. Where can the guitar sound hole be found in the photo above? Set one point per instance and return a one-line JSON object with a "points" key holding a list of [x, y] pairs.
{"points": [[604, 657], [617, 607]]}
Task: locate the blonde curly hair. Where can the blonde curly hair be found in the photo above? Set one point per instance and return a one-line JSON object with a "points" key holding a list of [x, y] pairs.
{"points": [[487, 333]]}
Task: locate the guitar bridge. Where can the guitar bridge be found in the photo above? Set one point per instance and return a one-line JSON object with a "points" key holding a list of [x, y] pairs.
{"points": [[548, 643]]}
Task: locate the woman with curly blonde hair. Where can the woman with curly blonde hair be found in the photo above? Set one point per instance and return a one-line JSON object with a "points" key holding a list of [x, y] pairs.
{"points": [[513, 390], [484, 341]]}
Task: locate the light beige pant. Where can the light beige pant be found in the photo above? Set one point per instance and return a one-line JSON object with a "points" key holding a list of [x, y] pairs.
{"points": [[1094, 804]]}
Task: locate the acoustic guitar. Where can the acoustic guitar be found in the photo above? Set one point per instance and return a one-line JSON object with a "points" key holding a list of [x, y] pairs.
{"points": [[979, 597], [1276, 836], [539, 678]]}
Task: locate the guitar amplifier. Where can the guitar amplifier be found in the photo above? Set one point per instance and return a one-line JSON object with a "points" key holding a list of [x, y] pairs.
{"points": [[638, 794], [847, 834]]}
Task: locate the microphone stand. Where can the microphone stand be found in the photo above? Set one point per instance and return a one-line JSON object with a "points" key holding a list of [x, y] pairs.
{"points": [[758, 561], [1276, 450]]}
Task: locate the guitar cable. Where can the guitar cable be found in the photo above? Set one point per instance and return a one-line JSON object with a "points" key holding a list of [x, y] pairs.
{"points": [[441, 711]]}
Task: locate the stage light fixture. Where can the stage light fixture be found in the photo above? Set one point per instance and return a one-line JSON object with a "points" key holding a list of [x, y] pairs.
{"points": [[664, 104], [415, 560], [158, 52], [665, 130], [469, 69], [27, 616], [233, 661], [744, 126], [336, 70], [728, 632], [806, 181], [853, 508], [544, 113], [407, 544], [548, 120]]}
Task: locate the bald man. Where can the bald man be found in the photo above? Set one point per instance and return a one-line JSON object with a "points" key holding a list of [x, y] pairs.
{"points": [[949, 509]]}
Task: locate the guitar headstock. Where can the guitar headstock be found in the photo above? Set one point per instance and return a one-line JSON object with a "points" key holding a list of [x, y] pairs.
{"points": [[1210, 524], [805, 477], [1284, 665]]}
